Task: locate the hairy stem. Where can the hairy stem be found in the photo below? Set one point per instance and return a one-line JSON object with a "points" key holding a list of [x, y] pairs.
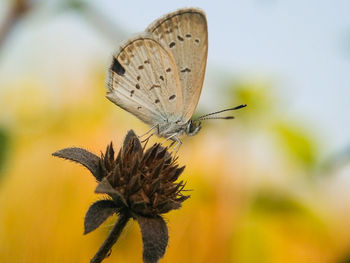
{"points": [[111, 239]]}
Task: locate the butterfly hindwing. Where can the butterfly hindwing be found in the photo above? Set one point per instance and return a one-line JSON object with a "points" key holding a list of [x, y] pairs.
{"points": [[143, 80], [184, 33]]}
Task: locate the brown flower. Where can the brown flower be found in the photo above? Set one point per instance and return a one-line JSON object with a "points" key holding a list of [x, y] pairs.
{"points": [[141, 185]]}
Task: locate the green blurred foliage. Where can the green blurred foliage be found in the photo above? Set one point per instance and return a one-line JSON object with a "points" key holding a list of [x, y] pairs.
{"points": [[272, 201], [298, 144], [262, 114], [4, 147], [77, 5], [257, 94], [273, 219]]}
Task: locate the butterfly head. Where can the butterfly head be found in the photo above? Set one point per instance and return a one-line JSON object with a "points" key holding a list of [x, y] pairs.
{"points": [[193, 127]]}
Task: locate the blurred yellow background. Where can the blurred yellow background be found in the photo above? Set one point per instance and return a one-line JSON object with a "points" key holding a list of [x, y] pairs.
{"points": [[266, 187]]}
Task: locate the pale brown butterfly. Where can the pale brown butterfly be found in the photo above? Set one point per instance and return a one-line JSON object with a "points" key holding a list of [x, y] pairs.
{"points": [[158, 75]]}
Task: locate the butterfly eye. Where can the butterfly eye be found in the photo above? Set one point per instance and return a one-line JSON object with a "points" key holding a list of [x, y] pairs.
{"points": [[117, 67], [192, 128]]}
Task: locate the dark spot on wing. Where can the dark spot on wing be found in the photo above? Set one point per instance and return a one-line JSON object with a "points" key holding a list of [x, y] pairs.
{"points": [[196, 40], [172, 44], [172, 97], [138, 78], [117, 67], [185, 70], [188, 35], [137, 86], [140, 67], [146, 61], [156, 101], [161, 77], [132, 93], [139, 107], [180, 38], [168, 69], [154, 86]]}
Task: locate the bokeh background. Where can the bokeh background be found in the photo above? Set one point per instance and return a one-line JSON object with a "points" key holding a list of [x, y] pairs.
{"points": [[270, 186]]}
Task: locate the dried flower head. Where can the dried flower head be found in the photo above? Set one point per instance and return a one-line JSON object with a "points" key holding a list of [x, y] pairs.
{"points": [[141, 185]]}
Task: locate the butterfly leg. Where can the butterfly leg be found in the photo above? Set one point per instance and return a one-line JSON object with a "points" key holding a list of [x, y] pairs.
{"points": [[171, 137], [154, 126], [174, 139], [177, 145], [147, 139]]}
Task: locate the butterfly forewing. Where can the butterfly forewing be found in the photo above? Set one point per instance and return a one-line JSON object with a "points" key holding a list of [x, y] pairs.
{"points": [[184, 33], [143, 79]]}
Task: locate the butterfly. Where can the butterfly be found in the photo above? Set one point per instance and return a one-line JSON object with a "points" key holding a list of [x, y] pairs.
{"points": [[158, 75]]}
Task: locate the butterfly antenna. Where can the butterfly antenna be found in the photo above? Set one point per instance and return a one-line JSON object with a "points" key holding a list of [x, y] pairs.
{"points": [[217, 118], [204, 117]]}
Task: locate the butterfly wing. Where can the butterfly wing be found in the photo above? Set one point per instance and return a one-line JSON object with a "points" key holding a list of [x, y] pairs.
{"points": [[184, 33], [143, 80]]}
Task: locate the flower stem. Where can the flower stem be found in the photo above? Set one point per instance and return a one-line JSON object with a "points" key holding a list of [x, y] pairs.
{"points": [[111, 239]]}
